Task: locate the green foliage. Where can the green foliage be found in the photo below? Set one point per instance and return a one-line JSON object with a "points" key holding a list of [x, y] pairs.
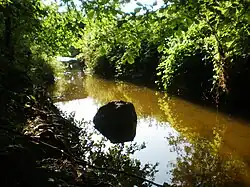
{"points": [[58, 32], [191, 37], [31, 34], [221, 24], [197, 46]]}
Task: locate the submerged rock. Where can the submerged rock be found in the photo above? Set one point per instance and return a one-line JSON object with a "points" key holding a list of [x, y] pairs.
{"points": [[117, 121]]}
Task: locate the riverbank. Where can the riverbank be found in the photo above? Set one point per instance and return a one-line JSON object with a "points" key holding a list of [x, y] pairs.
{"points": [[34, 155], [40, 146], [202, 55], [52, 150], [34, 145], [228, 103]]}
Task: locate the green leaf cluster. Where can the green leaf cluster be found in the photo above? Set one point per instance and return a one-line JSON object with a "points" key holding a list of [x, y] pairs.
{"points": [[215, 32]]}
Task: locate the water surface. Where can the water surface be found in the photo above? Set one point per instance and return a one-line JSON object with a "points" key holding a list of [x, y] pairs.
{"points": [[158, 117]]}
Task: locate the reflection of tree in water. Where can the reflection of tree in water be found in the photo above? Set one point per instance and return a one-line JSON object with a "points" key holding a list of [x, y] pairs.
{"points": [[188, 118], [144, 99], [69, 87], [202, 164], [201, 159], [114, 157]]}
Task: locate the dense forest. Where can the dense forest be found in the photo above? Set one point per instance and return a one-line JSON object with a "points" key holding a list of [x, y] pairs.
{"points": [[195, 48]]}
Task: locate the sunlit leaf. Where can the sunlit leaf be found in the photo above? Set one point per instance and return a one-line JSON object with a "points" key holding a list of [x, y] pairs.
{"points": [[130, 59], [160, 48], [91, 14], [103, 51]]}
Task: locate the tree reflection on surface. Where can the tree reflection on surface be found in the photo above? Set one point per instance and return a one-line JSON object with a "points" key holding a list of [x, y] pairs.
{"points": [[202, 163], [213, 148]]}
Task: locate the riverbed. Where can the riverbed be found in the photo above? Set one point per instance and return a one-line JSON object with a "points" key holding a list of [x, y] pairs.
{"points": [[161, 117]]}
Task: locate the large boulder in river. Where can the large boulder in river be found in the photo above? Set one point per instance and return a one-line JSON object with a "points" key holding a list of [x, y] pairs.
{"points": [[117, 121]]}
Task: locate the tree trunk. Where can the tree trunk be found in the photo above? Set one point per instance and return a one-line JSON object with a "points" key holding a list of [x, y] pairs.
{"points": [[9, 48]]}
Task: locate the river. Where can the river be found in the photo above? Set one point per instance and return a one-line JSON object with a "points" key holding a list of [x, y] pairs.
{"points": [[220, 143]]}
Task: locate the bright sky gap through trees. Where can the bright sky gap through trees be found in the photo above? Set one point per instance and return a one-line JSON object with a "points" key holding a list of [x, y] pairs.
{"points": [[128, 7]]}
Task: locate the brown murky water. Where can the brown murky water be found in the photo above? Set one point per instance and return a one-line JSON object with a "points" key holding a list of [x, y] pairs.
{"points": [[215, 137]]}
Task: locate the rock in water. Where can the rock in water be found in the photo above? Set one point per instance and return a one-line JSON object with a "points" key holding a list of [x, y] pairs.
{"points": [[117, 121]]}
